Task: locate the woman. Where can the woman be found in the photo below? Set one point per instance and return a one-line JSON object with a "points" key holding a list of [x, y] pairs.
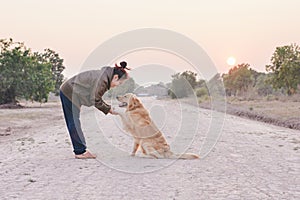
{"points": [[87, 88]]}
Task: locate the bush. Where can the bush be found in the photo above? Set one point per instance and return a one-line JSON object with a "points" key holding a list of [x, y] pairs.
{"points": [[201, 92], [27, 74]]}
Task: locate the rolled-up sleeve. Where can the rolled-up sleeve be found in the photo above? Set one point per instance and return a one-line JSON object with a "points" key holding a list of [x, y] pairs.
{"points": [[99, 103]]}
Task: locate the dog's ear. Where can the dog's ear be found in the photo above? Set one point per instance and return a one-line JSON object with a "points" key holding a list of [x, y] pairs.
{"points": [[134, 103]]}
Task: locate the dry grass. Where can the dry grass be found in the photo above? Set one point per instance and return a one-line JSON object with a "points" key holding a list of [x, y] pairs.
{"points": [[278, 110], [275, 108]]}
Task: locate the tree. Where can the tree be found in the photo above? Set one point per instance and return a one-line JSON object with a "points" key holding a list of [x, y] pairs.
{"points": [[183, 84], [238, 79], [261, 86], [57, 67], [215, 86], [13, 58], [23, 74], [285, 67], [201, 92], [39, 81], [179, 88], [200, 83], [190, 77]]}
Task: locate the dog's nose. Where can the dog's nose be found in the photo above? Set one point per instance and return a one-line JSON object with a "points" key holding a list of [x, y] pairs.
{"points": [[118, 97]]}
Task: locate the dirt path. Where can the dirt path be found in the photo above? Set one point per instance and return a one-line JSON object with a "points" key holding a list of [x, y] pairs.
{"points": [[251, 160]]}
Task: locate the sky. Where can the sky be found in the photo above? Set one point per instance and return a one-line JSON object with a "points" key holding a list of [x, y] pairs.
{"points": [[248, 30]]}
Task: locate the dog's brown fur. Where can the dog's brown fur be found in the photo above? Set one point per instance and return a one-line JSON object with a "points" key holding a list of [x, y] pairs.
{"points": [[136, 120]]}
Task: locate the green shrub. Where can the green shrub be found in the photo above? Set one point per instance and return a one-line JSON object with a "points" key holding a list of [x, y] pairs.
{"points": [[201, 92]]}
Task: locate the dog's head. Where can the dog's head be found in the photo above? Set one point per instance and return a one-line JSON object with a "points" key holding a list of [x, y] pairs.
{"points": [[129, 100]]}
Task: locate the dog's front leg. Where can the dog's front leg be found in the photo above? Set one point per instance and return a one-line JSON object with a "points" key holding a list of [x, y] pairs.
{"points": [[135, 147], [123, 117], [118, 111]]}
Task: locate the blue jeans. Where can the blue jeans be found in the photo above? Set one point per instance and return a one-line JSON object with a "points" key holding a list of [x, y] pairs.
{"points": [[72, 115]]}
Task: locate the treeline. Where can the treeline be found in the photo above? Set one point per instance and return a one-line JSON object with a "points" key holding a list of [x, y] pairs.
{"points": [[283, 78], [33, 75], [28, 75], [241, 80]]}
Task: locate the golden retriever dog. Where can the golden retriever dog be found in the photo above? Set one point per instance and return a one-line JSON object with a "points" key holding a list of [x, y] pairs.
{"points": [[136, 120]]}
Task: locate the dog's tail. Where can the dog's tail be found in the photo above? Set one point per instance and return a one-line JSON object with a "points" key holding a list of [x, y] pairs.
{"points": [[186, 156]]}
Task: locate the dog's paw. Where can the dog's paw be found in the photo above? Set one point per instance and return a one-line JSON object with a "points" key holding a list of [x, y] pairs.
{"points": [[132, 154], [117, 110]]}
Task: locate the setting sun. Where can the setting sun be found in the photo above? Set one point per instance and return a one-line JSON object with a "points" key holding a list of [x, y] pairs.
{"points": [[231, 61]]}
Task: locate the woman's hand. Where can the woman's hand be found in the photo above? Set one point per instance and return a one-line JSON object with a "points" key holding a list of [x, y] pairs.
{"points": [[112, 111]]}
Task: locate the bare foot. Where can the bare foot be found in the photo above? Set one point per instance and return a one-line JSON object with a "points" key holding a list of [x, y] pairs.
{"points": [[86, 155]]}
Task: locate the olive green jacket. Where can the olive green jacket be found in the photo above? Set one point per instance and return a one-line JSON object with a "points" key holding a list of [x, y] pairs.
{"points": [[87, 88]]}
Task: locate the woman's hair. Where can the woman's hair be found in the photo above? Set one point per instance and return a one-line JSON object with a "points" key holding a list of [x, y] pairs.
{"points": [[120, 70]]}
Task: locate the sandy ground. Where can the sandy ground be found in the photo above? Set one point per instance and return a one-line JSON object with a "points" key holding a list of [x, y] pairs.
{"points": [[251, 160]]}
